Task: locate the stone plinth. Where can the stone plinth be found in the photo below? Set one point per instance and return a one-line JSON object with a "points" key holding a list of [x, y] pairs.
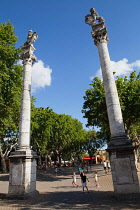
{"points": [[124, 172], [22, 179]]}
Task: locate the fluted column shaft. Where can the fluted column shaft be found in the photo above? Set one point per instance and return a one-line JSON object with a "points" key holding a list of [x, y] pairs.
{"points": [[25, 113], [112, 100]]}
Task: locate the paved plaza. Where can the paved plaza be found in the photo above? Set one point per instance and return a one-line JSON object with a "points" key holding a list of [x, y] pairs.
{"points": [[57, 192]]}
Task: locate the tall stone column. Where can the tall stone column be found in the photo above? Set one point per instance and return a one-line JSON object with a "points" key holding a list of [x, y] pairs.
{"points": [[22, 180], [121, 151]]}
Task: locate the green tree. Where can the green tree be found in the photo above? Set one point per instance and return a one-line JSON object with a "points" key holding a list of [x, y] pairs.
{"points": [[74, 149], [129, 95], [95, 110], [93, 142], [10, 83], [41, 129], [67, 133], [10, 79]]}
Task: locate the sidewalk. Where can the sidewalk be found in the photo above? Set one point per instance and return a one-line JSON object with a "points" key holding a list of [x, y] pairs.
{"points": [[57, 192]]}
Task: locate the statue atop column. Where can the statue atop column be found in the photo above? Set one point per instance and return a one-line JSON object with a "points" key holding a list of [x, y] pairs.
{"points": [[28, 48], [99, 32]]}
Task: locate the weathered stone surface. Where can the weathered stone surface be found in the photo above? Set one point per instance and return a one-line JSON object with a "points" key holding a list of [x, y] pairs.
{"points": [[122, 161], [123, 176], [22, 162]]}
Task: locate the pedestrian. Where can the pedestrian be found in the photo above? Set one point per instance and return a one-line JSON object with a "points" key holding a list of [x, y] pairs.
{"points": [[86, 167], [55, 170], [104, 164], [90, 165], [74, 180], [108, 166], [79, 169], [96, 178], [84, 182]]}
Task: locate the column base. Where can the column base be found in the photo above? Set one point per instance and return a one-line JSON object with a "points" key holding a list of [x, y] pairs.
{"points": [[24, 196], [117, 142], [22, 178], [123, 167]]}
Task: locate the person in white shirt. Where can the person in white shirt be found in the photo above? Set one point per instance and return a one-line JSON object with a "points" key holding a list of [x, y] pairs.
{"points": [[105, 165]]}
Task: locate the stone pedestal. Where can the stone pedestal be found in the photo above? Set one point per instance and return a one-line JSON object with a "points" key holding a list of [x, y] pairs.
{"points": [[22, 179], [123, 167], [121, 151]]}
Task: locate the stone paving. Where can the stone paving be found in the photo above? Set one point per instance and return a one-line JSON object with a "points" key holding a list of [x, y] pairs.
{"points": [[57, 192]]}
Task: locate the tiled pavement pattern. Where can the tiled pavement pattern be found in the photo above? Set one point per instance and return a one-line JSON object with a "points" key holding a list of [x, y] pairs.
{"points": [[57, 192]]}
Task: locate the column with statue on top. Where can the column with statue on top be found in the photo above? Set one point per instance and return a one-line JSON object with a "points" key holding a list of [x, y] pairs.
{"points": [[22, 178], [120, 148]]}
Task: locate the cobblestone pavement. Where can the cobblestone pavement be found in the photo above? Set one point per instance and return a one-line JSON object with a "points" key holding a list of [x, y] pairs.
{"points": [[57, 192]]}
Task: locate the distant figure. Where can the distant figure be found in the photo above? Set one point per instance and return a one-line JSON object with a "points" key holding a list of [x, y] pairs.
{"points": [[55, 170], [79, 169], [86, 167], [108, 166], [81, 174], [84, 182], [105, 165], [74, 180], [73, 164], [96, 179]]}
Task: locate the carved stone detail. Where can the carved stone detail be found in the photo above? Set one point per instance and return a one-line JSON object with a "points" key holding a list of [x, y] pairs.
{"points": [[28, 49], [99, 32]]}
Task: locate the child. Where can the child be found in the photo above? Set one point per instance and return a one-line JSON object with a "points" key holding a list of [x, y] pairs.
{"points": [[84, 183], [74, 180], [96, 179]]}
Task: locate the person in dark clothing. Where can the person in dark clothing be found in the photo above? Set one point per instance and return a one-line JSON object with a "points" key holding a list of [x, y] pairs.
{"points": [[84, 180]]}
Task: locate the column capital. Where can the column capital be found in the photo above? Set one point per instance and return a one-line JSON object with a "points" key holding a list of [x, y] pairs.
{"points": [[27, 49], [99, 30]]}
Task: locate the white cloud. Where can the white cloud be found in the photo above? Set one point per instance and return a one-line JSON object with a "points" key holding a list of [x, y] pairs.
{"points": [[41, 76], [121, 68]]}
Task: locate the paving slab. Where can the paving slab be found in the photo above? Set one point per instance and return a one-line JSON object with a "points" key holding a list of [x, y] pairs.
{"points": [[57, 192]]}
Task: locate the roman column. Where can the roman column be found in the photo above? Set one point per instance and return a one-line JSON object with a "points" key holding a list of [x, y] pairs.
{"points": [[22, 180], [121, 151]]}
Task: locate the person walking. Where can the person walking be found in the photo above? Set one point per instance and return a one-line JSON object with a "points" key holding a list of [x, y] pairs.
{"points": [[74, 180], [105, 165], [55, 170], [84, 180], [96, 179], [108, 166]]}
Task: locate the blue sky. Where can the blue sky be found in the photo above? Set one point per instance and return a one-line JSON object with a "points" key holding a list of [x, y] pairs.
{"points": [[67, 56]]}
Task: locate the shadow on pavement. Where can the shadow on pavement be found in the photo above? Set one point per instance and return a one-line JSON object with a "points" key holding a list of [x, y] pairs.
{"points": [[4, 177], [77, 200]]}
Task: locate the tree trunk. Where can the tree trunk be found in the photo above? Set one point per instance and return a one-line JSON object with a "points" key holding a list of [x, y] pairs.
{"points": [[59, 159], [39, 161], [3, 164], [46, 161]]}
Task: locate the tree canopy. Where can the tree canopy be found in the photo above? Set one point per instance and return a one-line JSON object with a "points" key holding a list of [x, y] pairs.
{"points": [[10, 90], [57, 134], [10, 80], [94, 107], [93, 142]]}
